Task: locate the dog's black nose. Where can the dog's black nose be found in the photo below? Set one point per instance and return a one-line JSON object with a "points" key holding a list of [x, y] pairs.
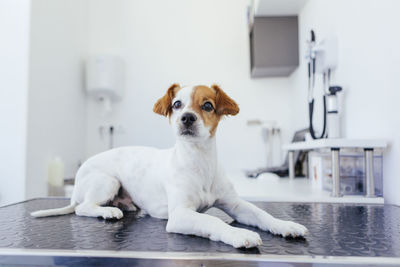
{"points": [[188, 119]]}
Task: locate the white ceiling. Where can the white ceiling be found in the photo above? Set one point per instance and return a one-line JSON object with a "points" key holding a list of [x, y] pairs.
{"points": [[278, 7]]}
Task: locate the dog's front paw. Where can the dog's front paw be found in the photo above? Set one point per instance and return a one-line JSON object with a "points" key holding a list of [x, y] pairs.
{"points": [[287, 228], [239, 237]]}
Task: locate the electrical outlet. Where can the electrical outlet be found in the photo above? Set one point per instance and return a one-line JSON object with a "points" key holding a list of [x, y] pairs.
{"points": [[119, 129]]}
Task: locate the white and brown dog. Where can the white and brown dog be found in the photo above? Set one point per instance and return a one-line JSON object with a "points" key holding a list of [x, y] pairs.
{"points": [[178, 183]]}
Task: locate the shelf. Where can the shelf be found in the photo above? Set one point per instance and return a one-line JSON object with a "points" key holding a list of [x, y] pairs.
{"points": [[339, 143], [270, 187]]}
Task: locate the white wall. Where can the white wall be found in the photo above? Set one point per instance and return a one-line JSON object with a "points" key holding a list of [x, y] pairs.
{"points": [[56, 117], [182, 41], [369, 60], [188, 42], [14, 48]]}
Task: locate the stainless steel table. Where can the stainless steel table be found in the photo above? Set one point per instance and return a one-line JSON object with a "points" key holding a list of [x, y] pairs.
{"points": [[339, 234]]}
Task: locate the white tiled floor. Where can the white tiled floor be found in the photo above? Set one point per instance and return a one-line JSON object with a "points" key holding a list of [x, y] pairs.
{"points": [[270, 187]]}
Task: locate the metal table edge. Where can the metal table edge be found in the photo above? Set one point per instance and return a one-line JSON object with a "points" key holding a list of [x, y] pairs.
{"points": [[197, 256]]}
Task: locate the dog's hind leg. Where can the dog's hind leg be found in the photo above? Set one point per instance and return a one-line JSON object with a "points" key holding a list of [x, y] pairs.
{"points": [[99, 189], [123, 201]]}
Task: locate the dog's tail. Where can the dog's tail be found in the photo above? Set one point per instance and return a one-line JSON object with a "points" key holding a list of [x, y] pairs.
{"points": [[54, 212]]}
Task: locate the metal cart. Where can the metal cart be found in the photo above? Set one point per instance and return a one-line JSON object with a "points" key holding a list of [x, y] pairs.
{"points": [[368, 145]]}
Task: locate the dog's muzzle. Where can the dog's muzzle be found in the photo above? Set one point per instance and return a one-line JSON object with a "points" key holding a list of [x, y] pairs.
{"points": [[188, 119], [188, 128]]}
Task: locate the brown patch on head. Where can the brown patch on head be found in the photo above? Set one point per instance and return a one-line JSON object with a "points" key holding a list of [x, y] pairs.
{"points": [[164, 106], [221, 102]]}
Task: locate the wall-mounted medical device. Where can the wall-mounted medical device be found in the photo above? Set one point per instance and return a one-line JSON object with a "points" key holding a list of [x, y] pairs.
{"points": [[332, 111], [271, 135], [322, 58], [105, 79], [325, 53]]}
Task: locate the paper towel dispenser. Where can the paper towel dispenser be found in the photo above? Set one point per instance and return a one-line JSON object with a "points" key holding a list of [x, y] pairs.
{"points": [[105, 76], [105, 79], [274, 46]]}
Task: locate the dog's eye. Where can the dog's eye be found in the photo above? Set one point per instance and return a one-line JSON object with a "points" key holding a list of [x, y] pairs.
{"points": [[207, 107], [177, 104]]}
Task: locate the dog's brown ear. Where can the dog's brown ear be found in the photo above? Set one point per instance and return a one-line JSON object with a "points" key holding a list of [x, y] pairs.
{"points": [[163, 106], [225, 104]]}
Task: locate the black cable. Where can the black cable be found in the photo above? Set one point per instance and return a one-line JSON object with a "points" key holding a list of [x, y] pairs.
{"points": [[311, 111], [313, 66], [311, 69]]}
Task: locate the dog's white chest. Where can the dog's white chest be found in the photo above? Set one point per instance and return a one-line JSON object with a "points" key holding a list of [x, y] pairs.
{"points": [[207, 203], [206, 198]]}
